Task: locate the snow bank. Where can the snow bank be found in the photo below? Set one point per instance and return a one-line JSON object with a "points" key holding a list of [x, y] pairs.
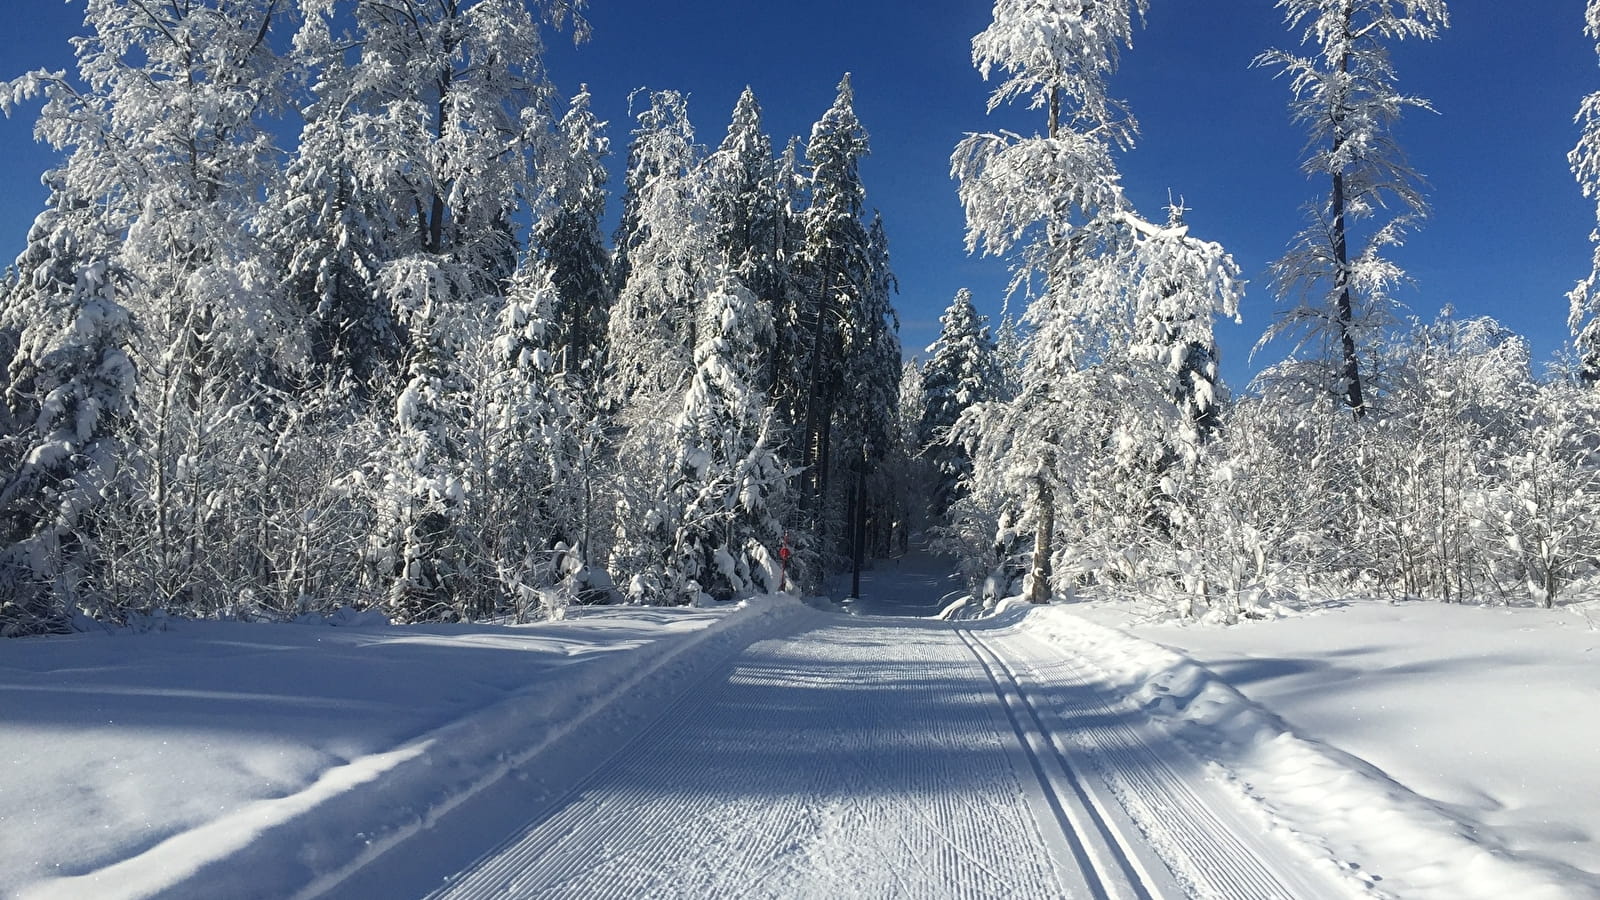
{"points": [[1345, 809], [231, 760]]}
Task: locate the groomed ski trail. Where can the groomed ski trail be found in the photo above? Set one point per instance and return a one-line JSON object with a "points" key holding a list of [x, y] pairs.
{"points": [[1158, 826], [879, 758]]}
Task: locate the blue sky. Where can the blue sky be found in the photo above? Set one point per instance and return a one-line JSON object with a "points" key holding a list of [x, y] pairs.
{"points": [[1508, 238]]}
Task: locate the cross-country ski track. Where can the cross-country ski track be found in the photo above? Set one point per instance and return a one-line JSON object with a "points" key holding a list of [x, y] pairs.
{"points": [[861, 757], [773, 749]]}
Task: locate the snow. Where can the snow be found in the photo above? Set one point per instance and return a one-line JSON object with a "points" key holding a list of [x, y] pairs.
{"points": [[1443, 751], [771, 749], [916, 584], [134, 761]]}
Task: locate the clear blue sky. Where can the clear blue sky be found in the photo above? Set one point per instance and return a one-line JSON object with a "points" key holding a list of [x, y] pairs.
{"points": [[1508, 238]]}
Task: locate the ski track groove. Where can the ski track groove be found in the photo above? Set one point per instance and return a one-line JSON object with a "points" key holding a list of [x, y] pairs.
{"points": [[896, 788], [863, 758], [1213, 858], [1109, 869], [504, 869], [887, 775]]}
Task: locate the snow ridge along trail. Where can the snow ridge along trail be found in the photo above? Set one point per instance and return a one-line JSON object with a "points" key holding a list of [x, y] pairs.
{"points": [[1147, 795], [867, 757], [858, 759], [1107, 863], [478, 772]]}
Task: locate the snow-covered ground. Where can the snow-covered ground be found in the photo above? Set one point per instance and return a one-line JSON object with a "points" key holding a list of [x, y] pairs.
{"points": [[132, 763], [1445, 751], [916, 584], [1372, 749]]}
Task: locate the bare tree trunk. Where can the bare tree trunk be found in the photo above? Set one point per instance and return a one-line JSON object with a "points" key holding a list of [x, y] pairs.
{"points": [[1039, 577], [1344, 305], [858, 521], [814, 458]]}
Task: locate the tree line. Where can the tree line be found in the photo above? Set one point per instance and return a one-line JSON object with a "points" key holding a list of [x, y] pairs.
{"points": [[1384, 456], [399, 364]]}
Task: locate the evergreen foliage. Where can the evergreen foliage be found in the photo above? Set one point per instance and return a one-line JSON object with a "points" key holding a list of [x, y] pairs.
{"points": [[1346, 95], [962, 371], [397, 364]]}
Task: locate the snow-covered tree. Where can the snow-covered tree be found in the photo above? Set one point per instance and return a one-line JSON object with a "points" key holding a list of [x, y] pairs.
{"points": [[1584, 299], [1549, 486], [912, 474], [166, 131], [961, 371], [1346, 94], [570, 243], [836, 257], [521, 434], [70, 383], [1043, 196], [450, 108], [871, 398], [752, 206], [671, 258], [1447, 389], [791, 300], [734, 485], [332, 230], [744, 197], [1120, 320], [1181, 285], [672, 265]]}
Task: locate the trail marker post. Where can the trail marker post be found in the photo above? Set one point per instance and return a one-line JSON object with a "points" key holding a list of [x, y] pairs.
{"points": [[783, 563]]}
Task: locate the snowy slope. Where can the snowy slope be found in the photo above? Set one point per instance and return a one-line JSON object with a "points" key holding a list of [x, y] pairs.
{"points": [[776, 751]]}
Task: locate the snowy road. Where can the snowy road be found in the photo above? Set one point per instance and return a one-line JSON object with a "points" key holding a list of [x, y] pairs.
{"points": [[877, 758]]}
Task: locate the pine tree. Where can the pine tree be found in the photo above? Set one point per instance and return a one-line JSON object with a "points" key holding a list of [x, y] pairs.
{"points": [[733, 484], [522, 432], [332, 231], [752, 207], [1180, 285], [671, 256], [71, 383], [570, 243], [453, 108], [1584, 299], [961, 371], [1346, 95], [672, 266], [744, 198], [872, 393], [838, 267]]}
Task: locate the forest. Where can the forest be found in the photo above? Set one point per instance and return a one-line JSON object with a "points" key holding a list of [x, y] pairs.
{"points": [[321, 312]]}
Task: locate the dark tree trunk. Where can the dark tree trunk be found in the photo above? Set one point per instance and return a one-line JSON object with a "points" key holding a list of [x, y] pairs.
{"points": [[1344, 304], [1039, 582]]}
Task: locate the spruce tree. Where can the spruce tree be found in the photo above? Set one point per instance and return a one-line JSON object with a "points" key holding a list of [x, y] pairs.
{"points": [[1347, 96], [961, 372], [70, 384], [734, 485], [838, 270], [569, 241]]}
